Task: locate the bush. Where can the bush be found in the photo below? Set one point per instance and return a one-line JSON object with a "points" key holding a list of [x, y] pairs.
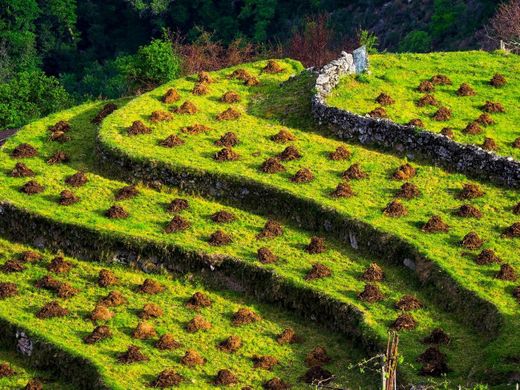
{"points": [[416, 42], [28, 96]]}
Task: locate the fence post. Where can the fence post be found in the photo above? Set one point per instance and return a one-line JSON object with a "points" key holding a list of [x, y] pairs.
{"points": [[389, 380]]}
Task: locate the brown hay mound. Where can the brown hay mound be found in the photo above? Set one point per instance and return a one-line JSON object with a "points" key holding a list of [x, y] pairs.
{"points": [[229, 140], [316, 245], [427, 100], [485, 120], [6, 370], [448, 132], [137, 128], [116, 212], [272, 165], [65, 290], [160, 116], [77, 180], [283, 136], [473, 128], [435, 225], [62, 126], [101, 313], [244, 316], [408, 191], [12, 265], [378, 112], [127, 192], [498, 80], [489, 144], [290, 153], [107, 109], [317, 357], [225, 378], [48, 282], [192, 358], [30, 257], [171, 96], [487, 256], [303, 175], [200, 89], [240, 74], [219, 238], [8, 290], [354, 172], [223, 216], [171, 141], [133, 354], [144, 331], [186, 108], [272, 67], [288, 336], [404, 322], [59, 265], [493, 107], [228, 115], [151, 310], [317, 375], [34, 384], [167, 342], [196, 324], [231, 344], [177, 205], [230, 97], [426, 86], [507, 272], [343, 190], [434, 362], [371, 293], [51, 310], [21, 170], [226, 154], [24, 151], [512, 231], [341, 153], [151, 287], [318, 271], [58, 158], [384, 99], [395, 209], [271, 229], [265, 256], [167, 378], [198, 300], [67, 198], [440, 79], [465, 90], [416, 123], [516, 209], [177, 224], [266, 362], [251, 81], [404, 172], [195, 129], [516, 143], [408, 303], [276, 384], [114, 298], [32, 187], [470, 191], [468, 211], [374, 273], [472, 241], [442, 114], [437, 336], [106, 278], [59, 136], [205, 77]]}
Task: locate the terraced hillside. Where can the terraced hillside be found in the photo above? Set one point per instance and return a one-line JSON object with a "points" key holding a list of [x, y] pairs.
{"points": [[471, 97], [56, 194]]}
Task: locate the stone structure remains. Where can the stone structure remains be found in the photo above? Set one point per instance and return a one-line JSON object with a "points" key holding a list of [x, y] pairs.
{"points": [[468, 159]]}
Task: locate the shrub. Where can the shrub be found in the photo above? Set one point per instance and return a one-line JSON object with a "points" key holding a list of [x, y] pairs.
{"points": [[416, 41]]}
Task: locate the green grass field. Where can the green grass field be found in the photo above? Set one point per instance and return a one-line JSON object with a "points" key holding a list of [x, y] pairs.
{"points": [[399, 76], [265, 110]]}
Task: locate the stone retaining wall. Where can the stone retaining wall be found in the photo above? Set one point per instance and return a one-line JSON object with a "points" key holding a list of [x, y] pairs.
{"points": [[468, 159]]}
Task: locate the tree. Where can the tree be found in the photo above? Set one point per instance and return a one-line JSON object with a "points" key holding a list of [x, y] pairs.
{"points": [[505, 25], [416, 41]]}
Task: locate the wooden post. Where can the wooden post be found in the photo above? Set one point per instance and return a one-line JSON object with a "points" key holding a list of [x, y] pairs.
{"points": [[390, 365]]}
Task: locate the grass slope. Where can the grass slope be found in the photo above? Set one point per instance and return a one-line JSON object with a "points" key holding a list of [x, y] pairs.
{"points": [[399, 75], [148, 219]]}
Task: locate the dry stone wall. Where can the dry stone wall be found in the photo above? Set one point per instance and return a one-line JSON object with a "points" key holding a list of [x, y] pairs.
{"points": [[467, 159]]}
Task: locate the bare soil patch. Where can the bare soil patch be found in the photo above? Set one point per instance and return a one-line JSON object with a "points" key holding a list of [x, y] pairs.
{"points": [[272, 67], [117, 212], [229, 115], [171, 141], [408, 303], [21, 170], [24, 151], [51, 310], [426, 86], [354, 172], [395, 209], [473, 128], [8, 290], [34, 384], [485, 119], [435, 225], [437, 336], [283, 136], [101, 313], [167, 378], [434, 362], [59, 265], [470, 191], [200, 89], [223, 216], [196, 324], [448, 132], [251, 81], [516, 209], [161, 116], [12, 265], [290, 153], [107, 109], [226, 154], [468, 211], [271, 229], [341, 153], [151, 287], [62, 126], [466, 90], [219, 238], [272, 165], [378, 112], [171, 96], [205, 77], [374, 273], [113, 299], [137, 128], [229, 140], [127, 192], [408, 191], [67, 198], [512, 231], [6, 370], [498, 80], [384, 99], [516, 293], [371, 293], [288, 336], [58, 158], [303, 175], [195, 129], [316, 245], [343, 190], [186, 108], [132, 355], [472, 241], [225, 378], [107, 278], [177, 224], [493, 107], [192, 358], [416, 122], [507, 272], [516, 143], [317, 375], [30, 257], [317, 357], [231, 344], [78, 179], [442, 114], [404, 172], [266, 256], [427, 100], [404, 322], [441, 79], [276, 384], [318, 271], [198, 301], [487, 256], [265, 362], [151, 310], [230, 97], [144, 331], [177, 205], [167, 342], [244, 316], [32, 187], [489, 144]]}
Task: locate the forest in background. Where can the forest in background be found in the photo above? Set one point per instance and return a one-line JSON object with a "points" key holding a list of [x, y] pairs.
{"points": [[56, 53]]}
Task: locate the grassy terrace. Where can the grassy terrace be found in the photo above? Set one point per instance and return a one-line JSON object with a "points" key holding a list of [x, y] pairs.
{"points": [[399, 75], [258, 338]]}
